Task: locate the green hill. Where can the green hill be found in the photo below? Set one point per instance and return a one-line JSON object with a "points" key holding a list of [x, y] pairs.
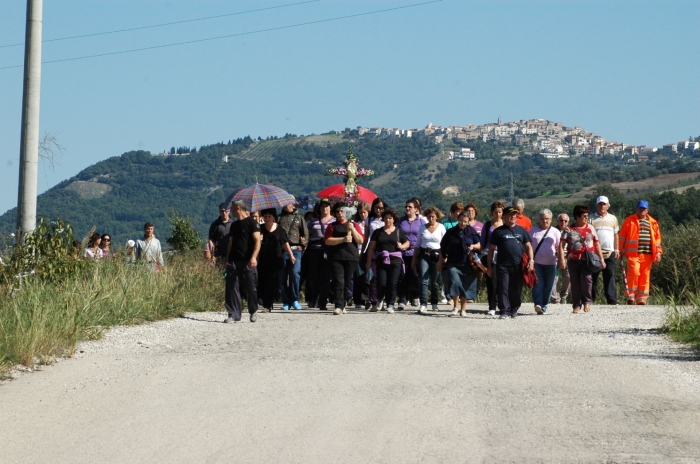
{"points": [[118, 195]]}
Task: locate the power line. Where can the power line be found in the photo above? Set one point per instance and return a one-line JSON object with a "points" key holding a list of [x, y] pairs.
{"points": [[290, 26], [165, 24]]}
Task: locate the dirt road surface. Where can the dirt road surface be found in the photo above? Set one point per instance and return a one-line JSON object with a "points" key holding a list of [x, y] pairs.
{"points": [[309, 387]]}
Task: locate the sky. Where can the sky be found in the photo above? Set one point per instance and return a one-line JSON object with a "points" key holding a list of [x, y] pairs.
{"points": [[626, 70]]}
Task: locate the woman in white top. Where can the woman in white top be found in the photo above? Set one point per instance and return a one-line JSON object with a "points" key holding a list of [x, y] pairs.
{"points": [[427, 257], [93, 250]]}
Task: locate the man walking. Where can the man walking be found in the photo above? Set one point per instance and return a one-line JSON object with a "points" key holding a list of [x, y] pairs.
{"points": [[640, 244], [148, 249], [289, 276], [512, 241], [219, 234], [607, 228], [241, 269], [522, 220], [562, 283]]}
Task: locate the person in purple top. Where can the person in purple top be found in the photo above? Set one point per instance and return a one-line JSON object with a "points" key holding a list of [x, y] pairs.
{"points": [[409, 285], [494, 223], [318, 279], [472, 212], [385, 249]]}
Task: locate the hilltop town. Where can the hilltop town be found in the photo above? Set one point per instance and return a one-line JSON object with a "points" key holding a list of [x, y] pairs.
{"points": [[549, 138]]}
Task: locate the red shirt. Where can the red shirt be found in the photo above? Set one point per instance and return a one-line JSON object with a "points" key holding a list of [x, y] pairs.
{"points": [[524, 222]]}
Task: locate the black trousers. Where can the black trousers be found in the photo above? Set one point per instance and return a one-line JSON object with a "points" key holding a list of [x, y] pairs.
{"points": [[491, 288], [387, 280], [268, 281], [360, 289], [318, 278], [510, 288], [342, 276], [609, 287], [408, 287], [239, 275]]}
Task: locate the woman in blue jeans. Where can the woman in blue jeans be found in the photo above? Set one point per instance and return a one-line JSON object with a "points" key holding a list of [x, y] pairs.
{"points": [[427, 256], [545, 241]]}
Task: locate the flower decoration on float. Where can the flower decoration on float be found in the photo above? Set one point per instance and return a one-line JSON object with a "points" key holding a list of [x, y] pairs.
{"points": [[351, 173]]}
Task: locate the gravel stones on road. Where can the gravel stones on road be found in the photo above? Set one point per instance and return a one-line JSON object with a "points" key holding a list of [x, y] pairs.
{"points": [[306, 386]]}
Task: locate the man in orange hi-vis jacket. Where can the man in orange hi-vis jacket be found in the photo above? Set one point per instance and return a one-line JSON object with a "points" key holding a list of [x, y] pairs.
{"points": [[640, 243]]}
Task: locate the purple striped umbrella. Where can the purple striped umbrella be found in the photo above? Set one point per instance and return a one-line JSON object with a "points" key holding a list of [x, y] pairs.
{"points": [[261, 196]]}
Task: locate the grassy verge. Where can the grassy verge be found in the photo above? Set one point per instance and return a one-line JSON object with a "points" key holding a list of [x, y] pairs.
{"points": [[683, 321], [47, 319]]}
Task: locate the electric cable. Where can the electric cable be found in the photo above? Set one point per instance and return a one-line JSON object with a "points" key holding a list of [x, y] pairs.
{"points": [[290, 26], [164, 24]]}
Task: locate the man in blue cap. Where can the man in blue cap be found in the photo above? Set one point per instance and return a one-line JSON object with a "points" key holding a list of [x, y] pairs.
{"points": [[640, 244]]}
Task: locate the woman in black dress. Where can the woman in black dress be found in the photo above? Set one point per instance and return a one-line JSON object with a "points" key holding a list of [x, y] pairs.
{"points": [[274, 243], [455, 247], [385, 249], [342, 239]]}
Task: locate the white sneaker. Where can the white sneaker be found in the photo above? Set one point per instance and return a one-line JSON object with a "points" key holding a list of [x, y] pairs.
{"points": [[423, 309], [380, 306], [337, 311], [492, 312], [402, 306], [443, 301], [415, 302], [345, 311], [390, 310]]}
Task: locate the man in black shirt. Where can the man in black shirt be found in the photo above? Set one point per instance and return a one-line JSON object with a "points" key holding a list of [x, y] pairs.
{"points": [[241, 269], [219, 234], [512, 241]]}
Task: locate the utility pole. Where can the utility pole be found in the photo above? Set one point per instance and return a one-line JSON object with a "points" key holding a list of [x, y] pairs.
{"points": [[31, 102]]}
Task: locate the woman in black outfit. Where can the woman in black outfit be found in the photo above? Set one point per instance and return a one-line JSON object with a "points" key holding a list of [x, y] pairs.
{"points": [[455, 247], [342, 239], [274, 243], [385, 249]]}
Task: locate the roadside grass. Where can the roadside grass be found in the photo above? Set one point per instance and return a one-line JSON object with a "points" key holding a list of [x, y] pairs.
{"points": [[683, 321], [47, 319]]}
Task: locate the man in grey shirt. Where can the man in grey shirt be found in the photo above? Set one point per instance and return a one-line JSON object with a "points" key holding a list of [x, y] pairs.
{"points": [[147, 250]]}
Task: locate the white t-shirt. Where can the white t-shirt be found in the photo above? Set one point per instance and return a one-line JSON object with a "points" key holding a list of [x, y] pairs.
{"points": [[606, 228], [427, 239]]}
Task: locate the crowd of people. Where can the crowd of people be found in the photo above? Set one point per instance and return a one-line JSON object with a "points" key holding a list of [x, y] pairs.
{"points": [[146, 251], [372, 257]]}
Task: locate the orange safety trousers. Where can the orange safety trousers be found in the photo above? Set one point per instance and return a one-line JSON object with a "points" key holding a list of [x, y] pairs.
{"points": [[639, 277]]}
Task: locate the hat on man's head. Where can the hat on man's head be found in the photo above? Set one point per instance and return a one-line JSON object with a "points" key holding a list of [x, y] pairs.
{"points": [[510, 210], [602, 199], [643, 204]]}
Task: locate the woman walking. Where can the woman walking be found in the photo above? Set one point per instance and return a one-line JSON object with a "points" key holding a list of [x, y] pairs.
{"points": [[545, 241], [318, 279], [427, 256], [93, 250], [374, 222], [274, 243], [455, 247], [360, 288], [342, 239], [385, 249], [577, 239], [472, 212], [408, 287], [495, 222], [106, 246]]}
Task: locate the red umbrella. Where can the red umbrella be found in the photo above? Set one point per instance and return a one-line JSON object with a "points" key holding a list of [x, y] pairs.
{"points": [[337, 193]]}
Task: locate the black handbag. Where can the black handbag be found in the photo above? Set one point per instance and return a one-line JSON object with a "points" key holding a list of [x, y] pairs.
{"points": [[595, 264]]}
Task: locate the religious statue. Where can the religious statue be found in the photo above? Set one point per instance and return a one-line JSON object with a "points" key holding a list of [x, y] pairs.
{"points": [[351, 173]]}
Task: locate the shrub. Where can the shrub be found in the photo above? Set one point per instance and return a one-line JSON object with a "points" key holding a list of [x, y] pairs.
{"points": [[184, 236]]}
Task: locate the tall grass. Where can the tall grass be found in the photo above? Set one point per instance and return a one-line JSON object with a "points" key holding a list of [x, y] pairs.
{"points": [[48, 318], [683, 321]]}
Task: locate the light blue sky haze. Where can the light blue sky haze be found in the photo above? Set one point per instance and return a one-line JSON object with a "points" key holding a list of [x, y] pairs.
{"points": [[627, 70]]}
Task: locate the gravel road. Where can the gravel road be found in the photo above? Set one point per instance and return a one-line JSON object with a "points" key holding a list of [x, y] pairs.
{"points": [[309, 387]]}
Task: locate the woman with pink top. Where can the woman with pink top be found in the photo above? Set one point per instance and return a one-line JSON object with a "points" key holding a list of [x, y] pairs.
{"points": [[545, 241]]}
